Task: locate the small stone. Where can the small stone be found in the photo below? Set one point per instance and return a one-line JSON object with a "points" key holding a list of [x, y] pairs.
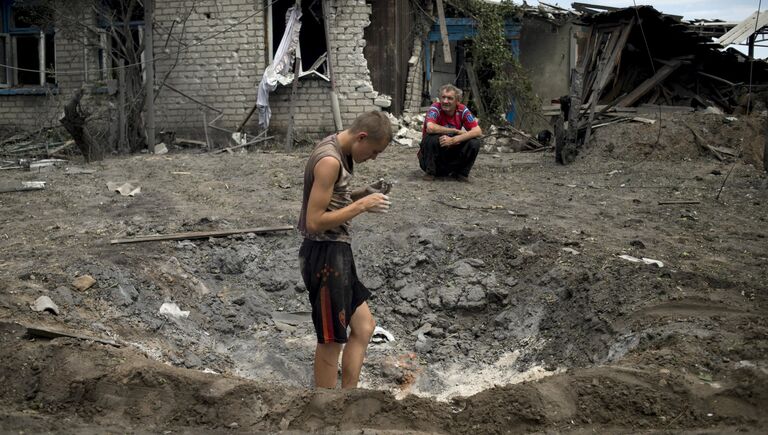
{"points": [[284, 327], [399, 284], [84, 282], [462, 268], [412, 292]]}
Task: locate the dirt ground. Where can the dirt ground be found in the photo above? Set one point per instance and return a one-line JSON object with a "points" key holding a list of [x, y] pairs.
{"points": [[510, 306]]}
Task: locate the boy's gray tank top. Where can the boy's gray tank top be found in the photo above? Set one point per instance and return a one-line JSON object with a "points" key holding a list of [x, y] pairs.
{"points": [[342, 193]]}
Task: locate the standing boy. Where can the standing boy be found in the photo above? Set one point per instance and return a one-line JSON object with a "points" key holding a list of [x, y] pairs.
{"points": [[337, 296]]}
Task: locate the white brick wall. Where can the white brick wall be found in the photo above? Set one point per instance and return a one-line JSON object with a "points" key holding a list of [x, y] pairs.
{"points": [[221, 58]]}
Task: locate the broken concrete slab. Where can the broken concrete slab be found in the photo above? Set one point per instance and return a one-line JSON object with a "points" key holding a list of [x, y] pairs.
{"points": [[124, 189]]}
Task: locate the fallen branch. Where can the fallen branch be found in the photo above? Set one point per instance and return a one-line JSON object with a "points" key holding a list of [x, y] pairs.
{"points": [[201, 234]]}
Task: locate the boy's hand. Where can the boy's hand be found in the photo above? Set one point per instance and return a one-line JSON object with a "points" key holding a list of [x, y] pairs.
{"points": [[380, 186], [376, 203]]}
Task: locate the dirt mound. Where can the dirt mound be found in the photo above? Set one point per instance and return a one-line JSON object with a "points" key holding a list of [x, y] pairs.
{"points": [[673, 139], [510, 305], [96, 388]]}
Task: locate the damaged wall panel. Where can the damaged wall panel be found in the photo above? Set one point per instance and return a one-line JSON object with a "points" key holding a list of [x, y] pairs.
{"points": [[546, 52], [388, 56]]}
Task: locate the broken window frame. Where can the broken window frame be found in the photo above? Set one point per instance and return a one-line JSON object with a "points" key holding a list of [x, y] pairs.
{"points": [[9, 36], [104, 51], [319, 67]]}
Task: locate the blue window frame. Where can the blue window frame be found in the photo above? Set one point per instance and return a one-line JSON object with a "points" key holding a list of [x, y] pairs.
{"points": [[462, 29], [27, 51]]}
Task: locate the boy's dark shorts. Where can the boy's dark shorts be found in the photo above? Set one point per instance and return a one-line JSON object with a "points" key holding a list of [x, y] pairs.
{"points": [[335, 292]]}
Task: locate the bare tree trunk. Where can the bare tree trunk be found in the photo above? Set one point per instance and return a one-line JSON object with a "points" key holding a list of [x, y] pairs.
{"points": [[74, 120]]}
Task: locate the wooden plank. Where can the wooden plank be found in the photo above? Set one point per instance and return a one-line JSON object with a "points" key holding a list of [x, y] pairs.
{"points": [[201, 234], [716, 78], [228, 149], [444, 32], [122, 141], [649, 84], [292, 109], [475, 85], [679, 202], [23, 187]]}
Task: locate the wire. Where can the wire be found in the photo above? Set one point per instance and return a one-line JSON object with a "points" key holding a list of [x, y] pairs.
{"points": [[752, 62], [650, 59], [749, 101], [162, 57]]}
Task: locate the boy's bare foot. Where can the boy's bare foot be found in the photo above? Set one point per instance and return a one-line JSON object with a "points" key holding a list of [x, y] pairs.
{"points": [[428, 177]]}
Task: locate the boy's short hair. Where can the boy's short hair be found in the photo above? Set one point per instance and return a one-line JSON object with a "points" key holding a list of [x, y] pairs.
{"points": [[375, 123], [449, 87]]}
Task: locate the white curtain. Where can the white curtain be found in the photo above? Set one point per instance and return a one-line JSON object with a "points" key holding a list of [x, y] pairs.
{"points": [[281, 69]]}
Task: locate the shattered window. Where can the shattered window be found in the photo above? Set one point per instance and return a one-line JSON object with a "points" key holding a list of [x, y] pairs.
{"points": [[121, 35], [311, 37], [27, 49]]}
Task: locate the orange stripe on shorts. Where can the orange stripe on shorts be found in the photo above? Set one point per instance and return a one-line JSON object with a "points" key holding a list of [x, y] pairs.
{"points": [[326, 314]]}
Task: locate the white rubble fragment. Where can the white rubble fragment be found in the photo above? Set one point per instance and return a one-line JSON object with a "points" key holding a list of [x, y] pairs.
{"points": [[413, 135], [173, 310], [393, 120], [404, 141], [160, 149], [125, 189], [44, 303], [642, 260], [383, 101], [381, 335]]}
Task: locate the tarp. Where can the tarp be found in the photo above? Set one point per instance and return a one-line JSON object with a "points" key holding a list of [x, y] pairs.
{"points": [[281, 69]]}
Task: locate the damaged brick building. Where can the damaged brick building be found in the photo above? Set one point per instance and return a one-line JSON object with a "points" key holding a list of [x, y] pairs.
{"points": [[210, 57]]}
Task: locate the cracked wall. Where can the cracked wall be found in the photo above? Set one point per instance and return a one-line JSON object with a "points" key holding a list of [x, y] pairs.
{"points": [[215, 53]]}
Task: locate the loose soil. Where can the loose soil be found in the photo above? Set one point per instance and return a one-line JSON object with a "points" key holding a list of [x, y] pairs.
{"points": [[510, 306]]}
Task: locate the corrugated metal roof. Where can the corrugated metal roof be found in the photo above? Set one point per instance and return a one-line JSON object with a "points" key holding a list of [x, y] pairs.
{"points": [[744, 29]]}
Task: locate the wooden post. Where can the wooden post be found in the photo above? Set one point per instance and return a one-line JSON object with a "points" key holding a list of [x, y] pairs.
{"points": [[205, 129], [122, 139], [475, 85], [329, 60], [444, 32], [294, 89], [149, 102]]}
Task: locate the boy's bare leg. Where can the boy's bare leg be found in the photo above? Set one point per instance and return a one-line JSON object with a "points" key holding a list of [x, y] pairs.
{"points": [[327, 364], [361, 325]]}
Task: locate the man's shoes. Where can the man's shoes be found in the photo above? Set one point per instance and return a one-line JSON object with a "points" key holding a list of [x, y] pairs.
{"points": [[428, 177], [462, 178]]}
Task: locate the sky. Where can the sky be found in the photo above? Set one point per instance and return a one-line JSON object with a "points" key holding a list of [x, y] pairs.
{"points": [[728, 10]]}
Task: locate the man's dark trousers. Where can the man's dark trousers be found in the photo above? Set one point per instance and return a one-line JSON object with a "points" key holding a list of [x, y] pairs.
{"points": [[444, 161]]}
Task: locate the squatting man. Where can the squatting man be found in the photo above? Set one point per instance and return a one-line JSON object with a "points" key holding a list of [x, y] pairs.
{"points": [[337, 296], [449, 144]]}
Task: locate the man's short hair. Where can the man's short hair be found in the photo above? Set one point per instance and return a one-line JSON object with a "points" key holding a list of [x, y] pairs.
{"points": [[375, 123], [449, 87]]}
